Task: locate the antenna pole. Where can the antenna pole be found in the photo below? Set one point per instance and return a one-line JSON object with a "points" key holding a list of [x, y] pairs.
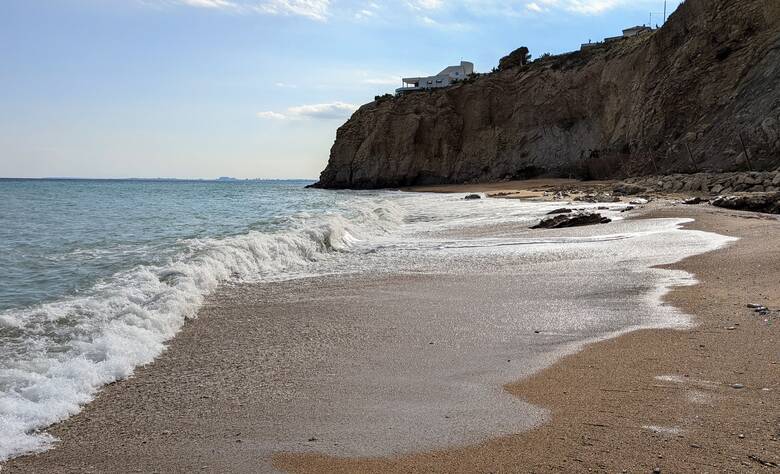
{"points": [[664, 11]]}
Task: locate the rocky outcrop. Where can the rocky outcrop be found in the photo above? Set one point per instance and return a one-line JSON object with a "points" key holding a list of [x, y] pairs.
{"points": [[757, 202], [704, 183], [700, 94]]}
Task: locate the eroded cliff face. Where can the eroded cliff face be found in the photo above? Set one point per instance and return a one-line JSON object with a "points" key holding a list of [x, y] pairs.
{"points": [[694, 95]]}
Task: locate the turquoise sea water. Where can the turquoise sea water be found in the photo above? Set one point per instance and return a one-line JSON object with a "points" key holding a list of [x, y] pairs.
{"points": [[60, 237], [97, 275]]}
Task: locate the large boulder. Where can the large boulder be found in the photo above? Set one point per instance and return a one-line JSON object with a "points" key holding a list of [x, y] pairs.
{"points": [[566, 220]]}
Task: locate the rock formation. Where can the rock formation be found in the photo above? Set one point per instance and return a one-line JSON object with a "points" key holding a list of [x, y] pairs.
{"points": [[700, 94], [577, 220]]}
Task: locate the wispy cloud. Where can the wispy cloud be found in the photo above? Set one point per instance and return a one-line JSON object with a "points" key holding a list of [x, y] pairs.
{"points": [[209, 3], [271, 115], [445, 25], [584, 7], [329, 111], [425, 4], [314, 9]]}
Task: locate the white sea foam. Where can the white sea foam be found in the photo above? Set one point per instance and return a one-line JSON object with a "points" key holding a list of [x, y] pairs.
{"points": [[56, 356]]}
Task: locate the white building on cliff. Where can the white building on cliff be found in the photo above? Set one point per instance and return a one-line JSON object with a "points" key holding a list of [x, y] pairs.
{"points": [[627, 33], [445, 78]]}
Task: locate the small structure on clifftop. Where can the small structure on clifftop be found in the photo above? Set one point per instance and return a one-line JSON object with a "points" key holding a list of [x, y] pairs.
{"points": [[445, 78], [627, 33], [636, 30]]}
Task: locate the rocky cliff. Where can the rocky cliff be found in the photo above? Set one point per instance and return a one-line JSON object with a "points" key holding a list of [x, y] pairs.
{"points": [[700, 94]]}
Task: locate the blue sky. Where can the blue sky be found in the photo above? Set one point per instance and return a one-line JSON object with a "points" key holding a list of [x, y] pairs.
{"points": [[245, 88]]}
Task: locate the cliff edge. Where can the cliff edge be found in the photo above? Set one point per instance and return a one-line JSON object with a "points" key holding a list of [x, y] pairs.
{"points": [[702, 93]]}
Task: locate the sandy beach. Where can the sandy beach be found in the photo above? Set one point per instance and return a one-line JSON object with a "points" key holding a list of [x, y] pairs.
{"points": [[654, 398], [233, 390], [316, 236]]}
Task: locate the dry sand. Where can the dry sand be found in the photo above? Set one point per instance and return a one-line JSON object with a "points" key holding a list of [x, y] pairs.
{"points": [[652, 398]]}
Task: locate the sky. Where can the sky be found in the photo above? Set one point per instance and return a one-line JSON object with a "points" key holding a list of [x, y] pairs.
{"points": [[242, 88]]}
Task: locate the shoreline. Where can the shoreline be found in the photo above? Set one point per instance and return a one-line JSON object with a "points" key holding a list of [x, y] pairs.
{"points": [[538, 389], [651, 398]]}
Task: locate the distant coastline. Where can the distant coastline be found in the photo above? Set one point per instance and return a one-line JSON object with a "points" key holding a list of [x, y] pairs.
{"points": [[167, 180]]}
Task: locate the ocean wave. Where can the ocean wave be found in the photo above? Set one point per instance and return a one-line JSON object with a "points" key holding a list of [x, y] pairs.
{"points": [[55, 356]]}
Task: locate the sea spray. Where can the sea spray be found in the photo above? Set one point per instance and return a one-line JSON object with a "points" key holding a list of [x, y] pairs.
{"points": [[55, 356]]}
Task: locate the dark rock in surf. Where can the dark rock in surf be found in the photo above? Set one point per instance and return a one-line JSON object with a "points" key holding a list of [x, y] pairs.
{"points": [[562, 210], [577, 220], [472, 197]]}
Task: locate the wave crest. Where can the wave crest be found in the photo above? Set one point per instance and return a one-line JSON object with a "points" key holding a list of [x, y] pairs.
{"points": [[55, 356]]}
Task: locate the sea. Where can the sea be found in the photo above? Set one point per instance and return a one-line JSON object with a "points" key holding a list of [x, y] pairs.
{"points": [[97, 275]]}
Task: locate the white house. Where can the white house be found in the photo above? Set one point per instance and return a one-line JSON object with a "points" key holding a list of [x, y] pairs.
{"points": [[636, 30], [445, 78]]}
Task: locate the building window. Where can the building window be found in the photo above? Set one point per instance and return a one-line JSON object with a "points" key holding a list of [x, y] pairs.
{"points": [[438, 81], [430, 82]]}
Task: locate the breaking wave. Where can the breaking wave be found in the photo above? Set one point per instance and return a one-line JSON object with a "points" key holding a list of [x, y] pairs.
{"points": [[56, 355]]}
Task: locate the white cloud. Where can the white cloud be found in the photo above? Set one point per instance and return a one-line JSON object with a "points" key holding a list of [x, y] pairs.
{"points": [[314, 9], [426, 4], [284, 85], [323, 111], [585, 7], [363, 14], [271, 115], [329, 111], [426, 20], [209, 3], [534, 7], [433, 13]]}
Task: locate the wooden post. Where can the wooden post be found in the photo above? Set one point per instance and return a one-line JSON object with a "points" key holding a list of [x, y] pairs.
{"points": [[747, 155]]}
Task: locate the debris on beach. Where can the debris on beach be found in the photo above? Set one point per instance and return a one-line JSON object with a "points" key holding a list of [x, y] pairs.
{"points": [[639, 201], [759, 308], [565, 220], [693, 200]]}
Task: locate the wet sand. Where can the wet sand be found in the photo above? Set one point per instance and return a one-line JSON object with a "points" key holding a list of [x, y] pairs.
{"points": [[207, 403], [652, 398]]}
